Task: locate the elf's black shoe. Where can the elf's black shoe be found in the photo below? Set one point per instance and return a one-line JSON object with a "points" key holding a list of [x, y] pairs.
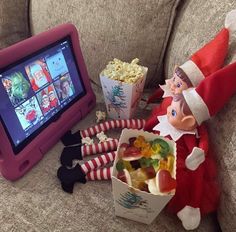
{"points": [[69, 177], [69, 154], [71, 139]]}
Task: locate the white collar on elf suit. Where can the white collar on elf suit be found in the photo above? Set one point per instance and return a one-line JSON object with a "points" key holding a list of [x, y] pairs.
{"points": [[166, 129], [166, 89]]}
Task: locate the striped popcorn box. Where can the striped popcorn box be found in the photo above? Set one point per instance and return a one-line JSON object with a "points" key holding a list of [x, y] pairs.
{"points": [[122, 92]]}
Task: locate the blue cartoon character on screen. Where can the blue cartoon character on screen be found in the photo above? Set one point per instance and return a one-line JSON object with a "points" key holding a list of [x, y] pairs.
{"points": [[17, 87], [57, 65]]}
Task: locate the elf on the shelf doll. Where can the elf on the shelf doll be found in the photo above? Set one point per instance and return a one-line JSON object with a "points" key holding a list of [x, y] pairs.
{"points": [[197, 192], [45, 103], [204, 62], [52, 97]]}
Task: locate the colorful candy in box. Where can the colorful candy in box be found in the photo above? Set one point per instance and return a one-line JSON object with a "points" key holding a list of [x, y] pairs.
{"points": [[144, 172]]}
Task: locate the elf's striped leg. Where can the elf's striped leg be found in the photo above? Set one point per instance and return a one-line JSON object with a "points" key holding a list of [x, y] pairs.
{"points": [[75, 138], [105, 126], [99, 174], [79, 152], [98, 162], [98, 148]]}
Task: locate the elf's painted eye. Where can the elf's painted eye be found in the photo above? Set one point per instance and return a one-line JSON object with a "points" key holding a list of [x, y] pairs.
{"points": [[179, 85], [173, 113]]}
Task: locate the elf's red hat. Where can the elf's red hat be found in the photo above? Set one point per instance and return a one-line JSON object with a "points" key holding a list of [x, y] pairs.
{"points": [[43, 92], [210, 58], [50, 89], [212, 93]]}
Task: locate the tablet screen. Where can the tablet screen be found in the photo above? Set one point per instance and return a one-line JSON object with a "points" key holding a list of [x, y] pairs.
{"points": [[37, 89]]}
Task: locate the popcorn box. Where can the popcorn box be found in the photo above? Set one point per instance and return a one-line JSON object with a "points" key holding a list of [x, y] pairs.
{"points": [[132, 203], [122, 98]]}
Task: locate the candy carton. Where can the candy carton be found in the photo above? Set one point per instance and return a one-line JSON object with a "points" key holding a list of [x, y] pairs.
{"points": [[122, 86], [141, 200]]}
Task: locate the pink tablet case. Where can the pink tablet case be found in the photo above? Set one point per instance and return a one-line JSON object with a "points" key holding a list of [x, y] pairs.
{"points": [[14, 166]]}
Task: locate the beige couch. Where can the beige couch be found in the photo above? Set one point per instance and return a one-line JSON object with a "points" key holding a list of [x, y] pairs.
{"points": [[161, 33]]}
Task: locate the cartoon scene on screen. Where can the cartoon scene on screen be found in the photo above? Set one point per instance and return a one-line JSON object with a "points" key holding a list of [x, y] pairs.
{"points": [[38, 74], [44, 100], [17, 87], [29, 113], [57, 65], [64, 87]]}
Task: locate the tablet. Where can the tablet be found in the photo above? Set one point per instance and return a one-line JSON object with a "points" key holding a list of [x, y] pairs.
{"points": [[44, 91]]}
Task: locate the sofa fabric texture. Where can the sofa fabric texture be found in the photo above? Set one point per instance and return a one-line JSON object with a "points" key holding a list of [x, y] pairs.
{"points": [[13, 21], [197, 22], [109, 29]]}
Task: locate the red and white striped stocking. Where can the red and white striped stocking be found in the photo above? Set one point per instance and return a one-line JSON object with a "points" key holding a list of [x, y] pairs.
{"points": [[119, 123], [97, 148], [98, 162], [100, 174], [79, 152]]}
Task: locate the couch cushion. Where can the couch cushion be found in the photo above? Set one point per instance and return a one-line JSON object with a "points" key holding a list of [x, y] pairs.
{"points": [[108, 29], [13, 21], [197, 23]]}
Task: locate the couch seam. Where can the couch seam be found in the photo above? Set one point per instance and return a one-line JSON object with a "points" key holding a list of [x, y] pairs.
{"points": [[28, 17], [164, 45]]}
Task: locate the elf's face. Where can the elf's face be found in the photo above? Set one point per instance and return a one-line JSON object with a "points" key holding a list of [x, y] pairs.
{"points": [[177, 85], [45, 100], [51, 96], [175, 115], [178, 119]]}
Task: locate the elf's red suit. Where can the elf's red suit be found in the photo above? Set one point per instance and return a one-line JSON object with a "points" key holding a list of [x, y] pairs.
{"points": [[198, 188], [54, 103], [45, 109]]}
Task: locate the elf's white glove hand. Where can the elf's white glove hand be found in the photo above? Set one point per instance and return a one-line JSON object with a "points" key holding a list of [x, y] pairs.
{"points": [[190, 217], [195, 158]]}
